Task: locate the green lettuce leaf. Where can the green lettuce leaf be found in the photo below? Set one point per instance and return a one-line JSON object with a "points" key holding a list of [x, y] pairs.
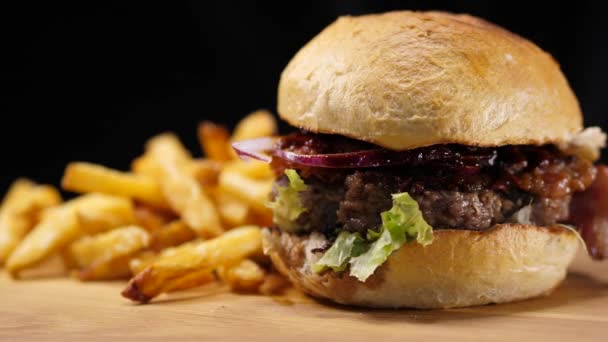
{"points": [[287, 206], [346, 245], [373, 235], [401, 224]]}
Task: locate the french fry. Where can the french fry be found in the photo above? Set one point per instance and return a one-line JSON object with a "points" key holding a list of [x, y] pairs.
{"points": [[215, 141], [108, 246], [178, 249], [61, 225], [205, 171], [227, 249], [273, 284], [172, 234], [152, 219], [86, 177], [167, 148], [260, 123], [20, 212], [98, 213], [146, 166], [252, 168], [148, 223], [13, 229], [181, 189], [97, 202], [106, 270], [142, 260], [245, 276], [233, 211], [190, 280], [196, 208], [57, 229], [15, 191], [106, 255], [252, 191]]}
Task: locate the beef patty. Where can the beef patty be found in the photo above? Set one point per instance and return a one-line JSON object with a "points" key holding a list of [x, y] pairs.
{"points": [[450, 196], [356, 203]]}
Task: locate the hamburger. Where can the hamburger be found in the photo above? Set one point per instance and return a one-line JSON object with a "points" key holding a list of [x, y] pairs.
{"points": [[440, 161]]}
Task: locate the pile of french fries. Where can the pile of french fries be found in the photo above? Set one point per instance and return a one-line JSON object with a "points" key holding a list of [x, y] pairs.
{"points": [[172, 222]]}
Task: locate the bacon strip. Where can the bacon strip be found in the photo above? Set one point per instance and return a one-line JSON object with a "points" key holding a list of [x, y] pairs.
{"points": [[589, 213]]}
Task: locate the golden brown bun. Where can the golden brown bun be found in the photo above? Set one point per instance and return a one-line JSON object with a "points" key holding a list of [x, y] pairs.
{"points": [[460, 268], [409, 79]]}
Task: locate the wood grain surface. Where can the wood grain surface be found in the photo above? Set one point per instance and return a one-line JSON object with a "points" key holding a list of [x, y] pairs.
{"points": [[65, 310]]}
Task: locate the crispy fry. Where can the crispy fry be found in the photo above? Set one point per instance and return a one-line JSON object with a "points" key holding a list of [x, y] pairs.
{"points": [[152, 219], [146, 166], [86, 177], [174, 201], [167, 148], [172, 234], [226, 249], [35, 201], [214, 140], [252, 169], [98, 213], [106, 255], [20, 212], [16, 190], [106, 270], [273, 284], [245, 276], [190, 280], [178, 249], [142, 260], [108, 246], [205, 171], [233, 211], [252, 191], [61, 225], [57, 229], [188, 199], [260, 123], [13, 229], [181, 189]]}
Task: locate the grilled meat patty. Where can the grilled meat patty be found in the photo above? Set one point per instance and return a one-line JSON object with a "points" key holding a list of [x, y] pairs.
{"points": [[470, 188]]}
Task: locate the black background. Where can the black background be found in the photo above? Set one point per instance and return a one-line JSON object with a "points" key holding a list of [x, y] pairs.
{"points": [[93, 81]]}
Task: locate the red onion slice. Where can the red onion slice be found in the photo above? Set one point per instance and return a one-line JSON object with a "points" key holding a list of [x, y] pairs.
{"points": [[265, 149], [259, 148], [368, 158]]}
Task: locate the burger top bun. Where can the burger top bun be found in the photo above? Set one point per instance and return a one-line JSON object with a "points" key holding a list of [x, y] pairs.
{"points": [[410, 79]]}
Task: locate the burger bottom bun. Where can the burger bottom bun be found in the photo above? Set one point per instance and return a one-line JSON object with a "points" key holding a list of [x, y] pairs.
{"points": [[508, 262]]}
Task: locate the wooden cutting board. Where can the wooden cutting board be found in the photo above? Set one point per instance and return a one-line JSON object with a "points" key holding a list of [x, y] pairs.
{"points": [[63, 309]]}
